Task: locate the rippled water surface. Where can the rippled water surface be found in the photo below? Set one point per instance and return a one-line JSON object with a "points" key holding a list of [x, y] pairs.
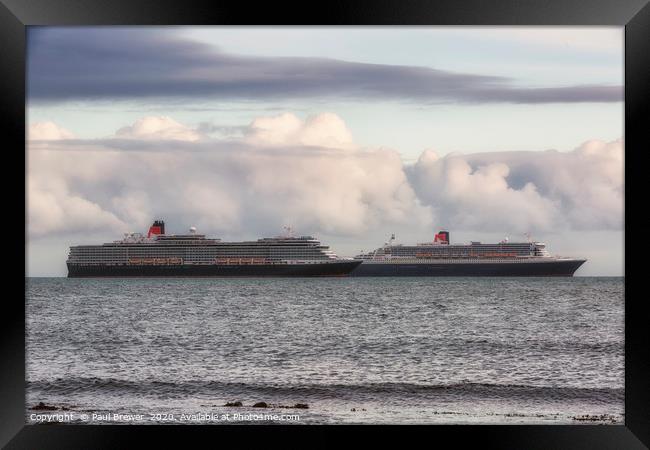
{"points": [[355, 350]]}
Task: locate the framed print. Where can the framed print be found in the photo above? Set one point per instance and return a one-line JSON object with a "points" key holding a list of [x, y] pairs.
{"points": [[374, 214]]}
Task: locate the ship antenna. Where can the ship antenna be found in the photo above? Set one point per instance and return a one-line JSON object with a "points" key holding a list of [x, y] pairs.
{"points": [[289, 231]]}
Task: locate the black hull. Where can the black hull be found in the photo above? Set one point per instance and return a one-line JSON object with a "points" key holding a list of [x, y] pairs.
{"points": [[520, 269], [337, 269]]}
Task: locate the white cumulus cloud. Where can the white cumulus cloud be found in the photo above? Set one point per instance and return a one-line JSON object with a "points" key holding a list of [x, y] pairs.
{"points": [[525, 191], [310, 174], [48, 131], [321, 130], [159, 128], [478, 198], [53, 209], [304, 173]]}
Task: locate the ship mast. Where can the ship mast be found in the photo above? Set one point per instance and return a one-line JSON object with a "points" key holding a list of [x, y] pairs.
{"points": [[386, 244]]}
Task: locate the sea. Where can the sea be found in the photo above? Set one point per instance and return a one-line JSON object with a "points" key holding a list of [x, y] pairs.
{"points": [[325, 350]]}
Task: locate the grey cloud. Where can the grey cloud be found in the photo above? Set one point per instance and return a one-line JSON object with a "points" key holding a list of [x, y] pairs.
{"points": [[210, 147], [118, 63], [209, 128]]}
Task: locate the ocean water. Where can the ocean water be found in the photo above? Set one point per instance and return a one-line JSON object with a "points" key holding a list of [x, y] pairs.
{"points": [[354, 350]]}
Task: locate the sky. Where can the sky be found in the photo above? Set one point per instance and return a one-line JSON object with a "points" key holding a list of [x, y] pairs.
{"points": [[345, 133]]}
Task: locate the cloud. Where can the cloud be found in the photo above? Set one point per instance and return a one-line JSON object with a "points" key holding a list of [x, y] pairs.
{"points": [[525, 191], [310, 174], [158, 128], [110, 63], [468, 198], [53, 209], [48, 131], [281, 173], [324, 130]]}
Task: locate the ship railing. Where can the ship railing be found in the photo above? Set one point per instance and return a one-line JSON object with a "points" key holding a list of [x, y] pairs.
{"points": [[265, 261], [466, 256], [155, 261], [315, 261], [518, 259], [247, 261]]}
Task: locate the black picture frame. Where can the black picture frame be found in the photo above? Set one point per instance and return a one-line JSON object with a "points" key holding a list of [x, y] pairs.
{"points": [[16, 15]]}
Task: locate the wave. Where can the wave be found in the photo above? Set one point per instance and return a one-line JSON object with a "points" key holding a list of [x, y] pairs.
{"points": [[168, 389]]}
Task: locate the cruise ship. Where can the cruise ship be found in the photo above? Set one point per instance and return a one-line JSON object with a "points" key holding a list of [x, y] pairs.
{"points": [[441, 258], [177, 255]]}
